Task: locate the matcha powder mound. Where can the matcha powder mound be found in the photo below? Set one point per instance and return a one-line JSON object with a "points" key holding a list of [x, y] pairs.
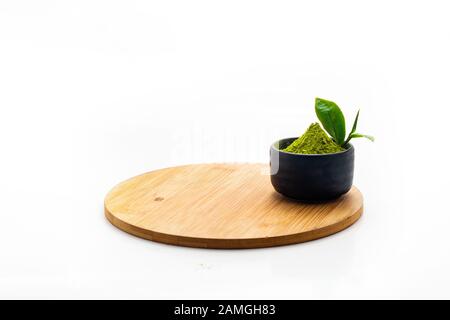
{"points": [[314, 141]]}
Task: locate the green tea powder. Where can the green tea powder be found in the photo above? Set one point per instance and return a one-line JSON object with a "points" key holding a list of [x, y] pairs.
{"points": [[314, 141]]}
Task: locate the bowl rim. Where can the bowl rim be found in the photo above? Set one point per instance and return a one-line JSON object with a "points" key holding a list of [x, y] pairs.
{"points": [[309, 155]]}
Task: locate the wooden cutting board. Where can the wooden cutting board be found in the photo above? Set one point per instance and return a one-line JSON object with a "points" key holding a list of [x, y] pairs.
{"points": [[222, 206]]}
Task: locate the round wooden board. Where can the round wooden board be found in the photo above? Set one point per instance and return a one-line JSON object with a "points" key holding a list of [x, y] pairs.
{"points": [[222, 206]]}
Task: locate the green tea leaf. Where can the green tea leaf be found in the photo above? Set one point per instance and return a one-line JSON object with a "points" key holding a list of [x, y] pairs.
{"points": [[355, 123], [332, 119], [359, 135]]}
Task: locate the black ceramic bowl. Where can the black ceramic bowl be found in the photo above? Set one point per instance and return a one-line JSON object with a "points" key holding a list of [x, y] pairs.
{"points": [[311, 177]]}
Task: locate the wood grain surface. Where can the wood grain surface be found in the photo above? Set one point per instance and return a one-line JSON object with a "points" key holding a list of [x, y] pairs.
{"points": [[222, 206]]}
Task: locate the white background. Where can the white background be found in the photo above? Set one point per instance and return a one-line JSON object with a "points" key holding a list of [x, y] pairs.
{"points": [[94, 92]]}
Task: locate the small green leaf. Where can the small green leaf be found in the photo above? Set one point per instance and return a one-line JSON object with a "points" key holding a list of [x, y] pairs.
{"points": [[332, 119], [355, 123], [359, 135]]}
